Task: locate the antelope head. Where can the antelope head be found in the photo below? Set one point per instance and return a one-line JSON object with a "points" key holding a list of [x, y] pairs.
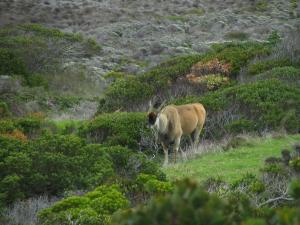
{"points": [[153, 111]]}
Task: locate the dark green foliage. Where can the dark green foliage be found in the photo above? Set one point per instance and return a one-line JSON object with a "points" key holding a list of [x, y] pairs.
{"points": [[240, 126], [268, 104], [125, 91], [128, 93], [28, 49], [187, 204], [237, 35], [51, 164], [129, 164], [238, 54], [119, 128], [288, 74], [246, 201], [11, 63], [94, 208], [262, 66], [4, 111], [294, 189]]}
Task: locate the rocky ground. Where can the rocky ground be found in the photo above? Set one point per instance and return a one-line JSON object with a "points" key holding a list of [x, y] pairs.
{"points": [[136, 35]]}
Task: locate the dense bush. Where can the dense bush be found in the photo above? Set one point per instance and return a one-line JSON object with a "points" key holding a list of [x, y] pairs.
{"points": [[4, 111], [120, 128], [94, 208], [187, 204], [238, 54], [53, 164], [271, 198], [287, 73], [129, 93], [50, 164], [268, 104], [28, 49], [262, 66]]}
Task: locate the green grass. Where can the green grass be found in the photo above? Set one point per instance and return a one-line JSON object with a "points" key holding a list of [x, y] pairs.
{"points": [[233, 164]]}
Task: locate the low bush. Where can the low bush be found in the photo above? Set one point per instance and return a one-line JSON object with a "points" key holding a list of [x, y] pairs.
{"points": [[31, 49], [262, 66], [236, 35], [50, 164], [120, 128], [266, 105], [271, 198], [238, 54], [228, 59], [53, 164], [94, 208], [4, 111], [287, 74]]}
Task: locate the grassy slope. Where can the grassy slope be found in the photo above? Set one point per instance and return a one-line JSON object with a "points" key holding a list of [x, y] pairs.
{"points": [[232, 164]]}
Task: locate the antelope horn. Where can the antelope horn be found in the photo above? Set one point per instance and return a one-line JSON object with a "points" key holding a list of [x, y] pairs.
{"points": [[161, 106]]}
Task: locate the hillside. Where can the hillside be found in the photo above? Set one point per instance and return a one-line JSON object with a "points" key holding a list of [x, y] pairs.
{"points": [[136, 35], [78, 80]]}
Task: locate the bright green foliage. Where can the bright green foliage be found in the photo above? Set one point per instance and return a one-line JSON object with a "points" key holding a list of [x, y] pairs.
{"points": [[121, 128], [6, 126], [233, 164], [94, 208], [150, 184], [262, 66]]}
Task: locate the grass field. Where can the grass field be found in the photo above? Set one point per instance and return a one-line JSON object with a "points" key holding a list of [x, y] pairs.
{"points": [[232, 164]]}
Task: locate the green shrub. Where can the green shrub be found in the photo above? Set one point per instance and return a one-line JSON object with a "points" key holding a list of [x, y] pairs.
{"points": [[150, 184], [90, 209], [6, 126], [128, 93], [287, 73], [269, 104], [119, 128], [238, 54], [238, 35], [262, 66], [52, 164], [129, 164], [189, 204], [4, 111], [31, 49], [240, 126], [11, 63], [125, 93]]}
